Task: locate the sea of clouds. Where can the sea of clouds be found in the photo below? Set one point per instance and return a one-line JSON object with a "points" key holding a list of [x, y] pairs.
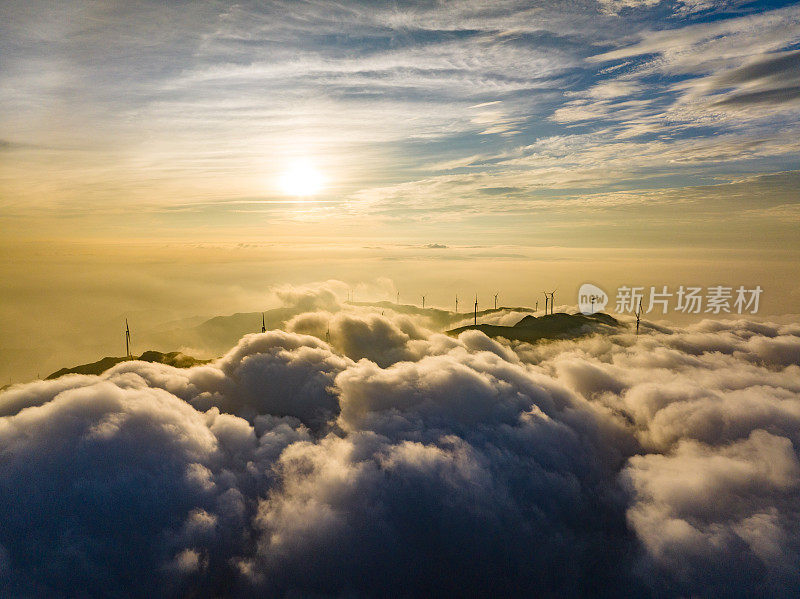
{"points": [[395, 461]]}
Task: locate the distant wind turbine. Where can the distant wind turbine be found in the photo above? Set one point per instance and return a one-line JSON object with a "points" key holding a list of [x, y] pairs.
{"points": [[546, 301], [456, 303], [127, 339], [476, 310], [638, 315], [495, 300], [423, 302], [263, 324], [552, 300]]}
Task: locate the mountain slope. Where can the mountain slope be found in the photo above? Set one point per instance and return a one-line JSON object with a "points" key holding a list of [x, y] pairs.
{"points": [[549, 326], [175, 358]]}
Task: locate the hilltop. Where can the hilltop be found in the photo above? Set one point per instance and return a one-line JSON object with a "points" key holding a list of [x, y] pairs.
{"points": [[550, 326], [438, 316], [175, 358]]}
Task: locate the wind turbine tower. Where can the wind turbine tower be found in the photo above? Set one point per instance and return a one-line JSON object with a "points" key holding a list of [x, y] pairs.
{"points": [[263, 324], [638, 316], [476, 310], [552, 300], [423, 302], [456, 303], [127, 339], [495, 300], [546, 301]]}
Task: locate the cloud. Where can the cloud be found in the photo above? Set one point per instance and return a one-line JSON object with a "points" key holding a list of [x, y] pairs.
{"points": [[770, 96], [312, 297], [383, 339], [679, 8], [775, 67], [614, 7], [395, 460], [750, 525]]}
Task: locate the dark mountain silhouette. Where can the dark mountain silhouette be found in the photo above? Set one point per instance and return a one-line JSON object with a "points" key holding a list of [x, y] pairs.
{"points": [[175, 358], [550, 326], [442, 318], [218, 334]]}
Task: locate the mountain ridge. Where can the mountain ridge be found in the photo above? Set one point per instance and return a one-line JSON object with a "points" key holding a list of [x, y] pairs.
{"points": [[550, 326], [175, 358]]}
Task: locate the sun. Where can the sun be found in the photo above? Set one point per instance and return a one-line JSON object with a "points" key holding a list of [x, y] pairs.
{"points": [[301, 179]]}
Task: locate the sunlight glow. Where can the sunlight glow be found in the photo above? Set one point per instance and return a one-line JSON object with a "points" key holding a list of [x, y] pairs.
{"points": [[301, 179]]}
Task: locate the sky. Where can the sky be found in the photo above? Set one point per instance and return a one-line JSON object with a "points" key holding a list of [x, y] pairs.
{"points": [[159, 154], [503, 120]]}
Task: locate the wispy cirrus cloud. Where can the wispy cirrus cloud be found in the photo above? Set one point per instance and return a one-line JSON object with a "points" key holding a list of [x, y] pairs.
{"points": [[207, 104]]}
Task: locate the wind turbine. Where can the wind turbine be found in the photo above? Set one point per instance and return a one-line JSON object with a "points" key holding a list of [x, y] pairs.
{"points": [[127, 339], [638, 315], [263, 324], [536, 309], [546, 301], [476, 310], [456, 303], [552, 299], [423, 302], [495, 300]]}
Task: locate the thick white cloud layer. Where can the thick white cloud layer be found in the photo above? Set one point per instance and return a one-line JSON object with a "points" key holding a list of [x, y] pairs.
{"points": [[396, 461]]}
